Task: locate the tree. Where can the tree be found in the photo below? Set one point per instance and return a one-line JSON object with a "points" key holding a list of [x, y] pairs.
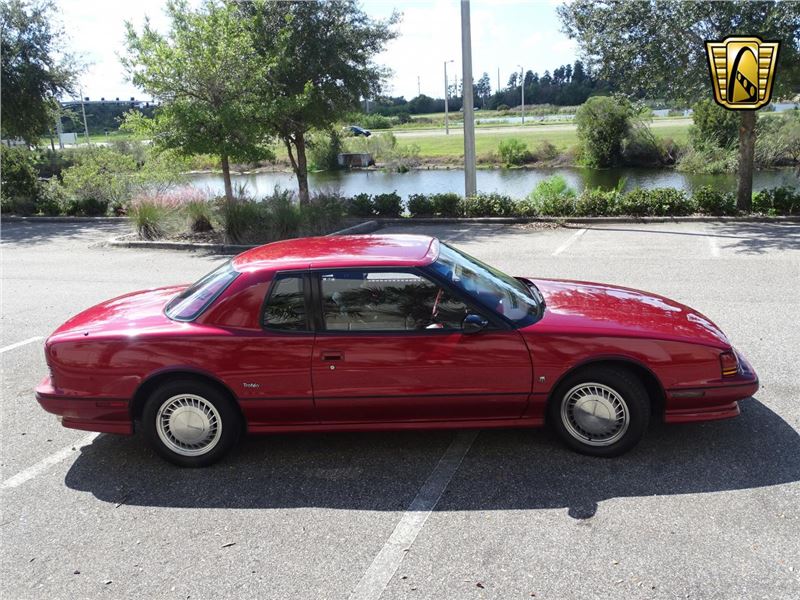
{"points": [[656, 48], [35, 70], [207, 76], [713, 125], [603, 123], [321, 63], [483, 89]]}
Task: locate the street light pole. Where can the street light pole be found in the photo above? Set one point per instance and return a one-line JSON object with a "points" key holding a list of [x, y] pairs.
{"points": [[468, 103], [446, 95], [522, 85]]}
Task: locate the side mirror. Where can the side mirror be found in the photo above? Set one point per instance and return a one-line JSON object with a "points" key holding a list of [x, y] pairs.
{"points": [[473, 323]]}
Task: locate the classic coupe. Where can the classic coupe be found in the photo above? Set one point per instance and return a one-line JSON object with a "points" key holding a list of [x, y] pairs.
{"points": [[357, 333]]}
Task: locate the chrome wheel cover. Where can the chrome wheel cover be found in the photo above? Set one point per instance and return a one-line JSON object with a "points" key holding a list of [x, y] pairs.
{"points": [[188, 425], [595, 414]]}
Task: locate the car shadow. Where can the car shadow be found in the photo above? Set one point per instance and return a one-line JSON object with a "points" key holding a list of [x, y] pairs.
{"points": [[504, 469]]}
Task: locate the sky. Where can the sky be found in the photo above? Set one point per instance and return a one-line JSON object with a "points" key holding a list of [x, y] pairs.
{"points": [[505, 34]]}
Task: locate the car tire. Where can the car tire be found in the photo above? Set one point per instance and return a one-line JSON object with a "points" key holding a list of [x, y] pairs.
{"points": [[191, 423], [600, 411]]}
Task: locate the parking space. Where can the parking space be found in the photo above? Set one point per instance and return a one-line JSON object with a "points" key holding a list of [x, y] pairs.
{"points": [[696, 511]]}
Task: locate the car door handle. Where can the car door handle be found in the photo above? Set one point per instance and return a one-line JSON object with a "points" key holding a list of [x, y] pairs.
{"points": [[329, 355]]}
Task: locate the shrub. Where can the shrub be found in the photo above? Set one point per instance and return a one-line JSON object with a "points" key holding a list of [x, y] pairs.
{"points": [[655, 202], [777, 201], [240, 218], [488, 205], [373, 121], [596, 202], [361, 205], [552, 197], [446, 205], [420, 205], [501, 107], [513, 152], [714, 202], [148, 215], [713, 126], [51, 198], [388, 205], [544, 151], [708, 160], [641, 148], [324, 148], [281, 214], [603, 124], [20, 185], [102, 176], [323, 212]]}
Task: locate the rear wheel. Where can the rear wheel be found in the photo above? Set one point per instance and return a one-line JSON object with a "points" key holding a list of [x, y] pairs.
{"points": [[191, 423], [600, 411]]}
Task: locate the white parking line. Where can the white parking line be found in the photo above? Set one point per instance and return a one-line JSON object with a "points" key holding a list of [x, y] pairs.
{"points": [[572, 239], [385, 564], [22, 343], [712, 245], [47, 462]]}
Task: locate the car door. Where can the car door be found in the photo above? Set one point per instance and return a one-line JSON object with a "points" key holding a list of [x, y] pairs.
{"points": [[390, 347]]}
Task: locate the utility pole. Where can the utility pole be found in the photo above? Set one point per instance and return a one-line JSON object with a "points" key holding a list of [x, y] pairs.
{"points": [[470, 181], [446, 95], [498, 79], [85, 126], [522, 85], [419, 88]]}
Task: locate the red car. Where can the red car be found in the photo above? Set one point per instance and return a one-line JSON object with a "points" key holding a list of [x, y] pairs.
{"points": [[357, 333]]}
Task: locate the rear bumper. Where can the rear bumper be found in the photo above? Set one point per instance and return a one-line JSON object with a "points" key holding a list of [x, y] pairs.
{"points": [[106, 415]]}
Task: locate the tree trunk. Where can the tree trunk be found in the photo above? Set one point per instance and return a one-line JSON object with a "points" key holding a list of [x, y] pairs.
{"points": [[747, 144], [301, 169], [226, 177]]}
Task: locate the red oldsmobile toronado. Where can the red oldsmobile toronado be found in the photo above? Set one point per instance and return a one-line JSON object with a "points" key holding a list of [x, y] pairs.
{"points": [[385, 332]]}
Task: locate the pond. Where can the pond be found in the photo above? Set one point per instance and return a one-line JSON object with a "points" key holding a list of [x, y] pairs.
{"points": [[516, 183]]}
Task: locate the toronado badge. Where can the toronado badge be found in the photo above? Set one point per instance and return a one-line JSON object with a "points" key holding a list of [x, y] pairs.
{"points": [[742, 70]]}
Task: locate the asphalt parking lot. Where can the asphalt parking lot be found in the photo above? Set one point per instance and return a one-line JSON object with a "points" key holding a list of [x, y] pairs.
{"points": [[695, 511]]}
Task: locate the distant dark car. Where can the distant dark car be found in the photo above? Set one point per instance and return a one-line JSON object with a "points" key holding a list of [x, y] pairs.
{"points": [[356, 130]]}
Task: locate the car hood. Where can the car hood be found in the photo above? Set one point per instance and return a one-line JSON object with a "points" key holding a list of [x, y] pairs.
{"points": [[584, 307], [127, 315]]}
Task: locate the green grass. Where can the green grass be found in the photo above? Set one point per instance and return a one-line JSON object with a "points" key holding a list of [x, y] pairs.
{"points": [[441, 146]]}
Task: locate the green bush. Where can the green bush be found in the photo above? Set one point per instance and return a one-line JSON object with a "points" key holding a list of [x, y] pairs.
{"points": [[148, 215], [710, 201], [281, 214], [603, 123], [513, 152], [596, 202], [388, 205], [655, 202], [544, 151], [420, 205], [324, 148], [502, 107], [101, 177], [240, 218], [361, 205], [446, 205], [373, 121], [51, 198], [551, 197], [708, 160], [488, 205], [777, 201], [323, 213], [20, 185], [713, 126], [641, 148]]}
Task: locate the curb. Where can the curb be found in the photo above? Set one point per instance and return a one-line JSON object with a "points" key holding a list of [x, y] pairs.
{"points": [[587, 220], [15, 219]]}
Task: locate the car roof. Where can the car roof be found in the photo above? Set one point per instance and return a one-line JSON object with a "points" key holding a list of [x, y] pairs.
{"points": [[339, 251]]}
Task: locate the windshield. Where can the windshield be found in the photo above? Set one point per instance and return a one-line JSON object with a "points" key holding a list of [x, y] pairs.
{"points": [[490, 287], [187, 305]]}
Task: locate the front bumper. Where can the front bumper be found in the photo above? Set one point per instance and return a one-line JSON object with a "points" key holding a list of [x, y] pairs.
{"points": [[687, 405], [106, 415]]}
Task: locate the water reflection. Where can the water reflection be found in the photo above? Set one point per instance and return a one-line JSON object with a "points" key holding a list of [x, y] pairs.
{"points": [[515, 182]]}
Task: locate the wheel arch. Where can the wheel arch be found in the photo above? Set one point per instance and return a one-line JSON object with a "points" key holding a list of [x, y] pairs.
{"points": [[154, 380], [653, 386]]}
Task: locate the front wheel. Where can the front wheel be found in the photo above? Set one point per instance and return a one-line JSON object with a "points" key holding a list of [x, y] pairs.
{"points": [[601, 411], [191, 423]]}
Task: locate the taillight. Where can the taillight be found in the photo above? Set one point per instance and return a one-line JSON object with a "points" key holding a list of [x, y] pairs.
{"points": [[729, 364]]}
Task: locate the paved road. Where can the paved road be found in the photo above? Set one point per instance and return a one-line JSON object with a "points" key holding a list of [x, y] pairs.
{"points": [[458, 130], [696, 511]]}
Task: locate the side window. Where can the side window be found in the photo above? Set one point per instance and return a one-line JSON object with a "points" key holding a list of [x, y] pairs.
{"points": [[285, 308], [356, 300]]}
